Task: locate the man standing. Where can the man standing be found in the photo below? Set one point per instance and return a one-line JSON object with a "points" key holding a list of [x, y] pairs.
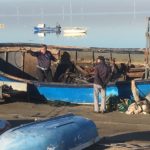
{"points": [[101, 79], [44, 59]]}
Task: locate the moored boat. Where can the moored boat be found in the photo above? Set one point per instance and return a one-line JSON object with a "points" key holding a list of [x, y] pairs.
{"points": [[67, 132], [75, 30], [80, 34], [42, 28]]}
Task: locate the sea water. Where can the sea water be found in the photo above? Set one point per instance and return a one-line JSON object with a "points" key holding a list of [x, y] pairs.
{"points": [[115, 24]]}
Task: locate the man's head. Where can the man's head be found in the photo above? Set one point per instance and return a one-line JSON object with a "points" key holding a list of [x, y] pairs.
{"points": [[100, 59], [43, 49]]}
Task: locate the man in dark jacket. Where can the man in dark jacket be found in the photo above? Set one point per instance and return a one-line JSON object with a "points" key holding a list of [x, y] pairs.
{"points": [[44, 59], [101, 79]]}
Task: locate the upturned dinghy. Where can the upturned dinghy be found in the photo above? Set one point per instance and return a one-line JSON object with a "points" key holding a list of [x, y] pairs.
{"points": [[67, 132]]}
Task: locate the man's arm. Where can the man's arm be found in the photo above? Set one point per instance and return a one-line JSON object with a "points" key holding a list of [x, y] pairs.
{"points": [[35, 54], [52, 57]]}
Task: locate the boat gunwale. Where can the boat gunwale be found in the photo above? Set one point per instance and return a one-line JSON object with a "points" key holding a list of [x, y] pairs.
{"points": [[142, 81], [78, 49]]}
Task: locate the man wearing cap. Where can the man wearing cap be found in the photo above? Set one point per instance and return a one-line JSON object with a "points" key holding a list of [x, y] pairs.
{"points": [[101, 79], [44, 59]]}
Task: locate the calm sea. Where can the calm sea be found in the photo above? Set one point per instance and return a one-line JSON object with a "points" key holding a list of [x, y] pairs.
{"points": [[122, 30]]}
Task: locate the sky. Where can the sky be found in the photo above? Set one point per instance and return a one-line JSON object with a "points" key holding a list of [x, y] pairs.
{"points": [[50, 7]]}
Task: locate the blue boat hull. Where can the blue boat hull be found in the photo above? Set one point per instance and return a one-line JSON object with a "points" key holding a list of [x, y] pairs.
{"points": [[79, 94], [60, 133], [50, 29], [143, 88]]}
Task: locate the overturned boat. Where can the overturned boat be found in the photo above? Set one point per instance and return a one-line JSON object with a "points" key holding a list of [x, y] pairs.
{"points": [[67, 132]]}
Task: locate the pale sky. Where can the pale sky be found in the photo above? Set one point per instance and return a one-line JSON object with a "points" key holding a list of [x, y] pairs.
{"points": [[24, 7]]}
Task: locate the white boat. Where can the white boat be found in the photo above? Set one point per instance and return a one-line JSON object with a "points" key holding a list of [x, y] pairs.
{"points": [[75, 30], [74, 34]]}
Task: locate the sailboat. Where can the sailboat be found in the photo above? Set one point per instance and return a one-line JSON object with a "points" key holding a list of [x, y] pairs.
{"points": [[74, 31]]}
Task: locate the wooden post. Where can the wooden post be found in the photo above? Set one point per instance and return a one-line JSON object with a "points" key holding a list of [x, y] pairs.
{"points": [[6, 56], [110, 56], [129, 59], [76, 57], [23, 61], [93, 57]]}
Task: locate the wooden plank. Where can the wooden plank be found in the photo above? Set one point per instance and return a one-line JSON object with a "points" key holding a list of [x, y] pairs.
{"points": [[135, 74], [137, 70]]}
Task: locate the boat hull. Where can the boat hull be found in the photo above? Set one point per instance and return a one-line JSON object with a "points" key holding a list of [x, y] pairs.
{"points": [[46, 29], [143, 87], [78, 94], [74, 31], [73, 93], [59, 133]]}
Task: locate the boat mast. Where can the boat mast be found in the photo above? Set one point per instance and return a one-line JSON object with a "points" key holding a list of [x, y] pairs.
{"points": [[70, 13]]}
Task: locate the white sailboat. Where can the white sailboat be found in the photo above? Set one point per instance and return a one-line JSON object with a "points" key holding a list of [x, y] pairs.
{"points": [[77, 34], [74, 31]]}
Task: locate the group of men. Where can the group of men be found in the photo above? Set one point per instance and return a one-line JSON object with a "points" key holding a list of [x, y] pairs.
{"points": [[103, 73]]}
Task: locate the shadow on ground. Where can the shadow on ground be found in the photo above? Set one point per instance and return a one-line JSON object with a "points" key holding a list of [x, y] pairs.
{"points": [[122, 139]]}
